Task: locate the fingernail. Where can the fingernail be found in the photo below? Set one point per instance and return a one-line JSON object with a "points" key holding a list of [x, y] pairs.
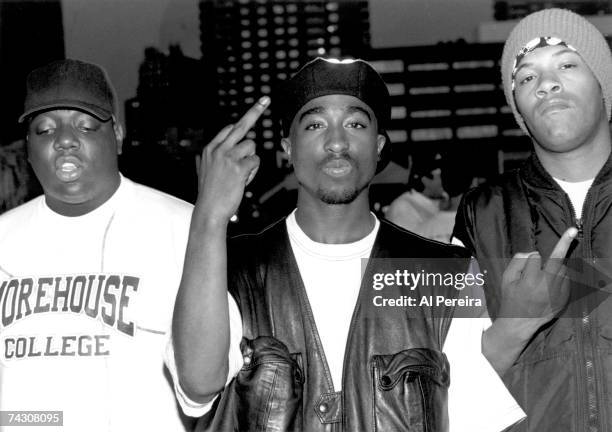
{"points": [[264, 100], [572, 232]]}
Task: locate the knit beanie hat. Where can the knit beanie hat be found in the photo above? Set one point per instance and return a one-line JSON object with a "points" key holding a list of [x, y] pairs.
{"points": [[573, 30]]}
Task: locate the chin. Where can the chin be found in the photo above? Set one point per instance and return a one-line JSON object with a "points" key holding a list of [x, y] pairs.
{"points": [[344, 196], [559, 143]]}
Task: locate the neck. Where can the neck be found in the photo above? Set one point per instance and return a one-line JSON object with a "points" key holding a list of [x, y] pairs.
{"points": [[334, 223], [81, 207], [580, 164]]}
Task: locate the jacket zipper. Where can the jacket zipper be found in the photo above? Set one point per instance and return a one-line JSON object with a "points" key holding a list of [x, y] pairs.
{"points": [[588, 354], [577, 221]]}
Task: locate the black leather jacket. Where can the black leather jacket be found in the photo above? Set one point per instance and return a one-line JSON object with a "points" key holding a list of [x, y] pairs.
{"points": [[395, 375], [563, 379]]}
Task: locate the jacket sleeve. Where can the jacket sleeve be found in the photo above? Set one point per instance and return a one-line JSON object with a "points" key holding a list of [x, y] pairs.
{"points": [[464, 224]]}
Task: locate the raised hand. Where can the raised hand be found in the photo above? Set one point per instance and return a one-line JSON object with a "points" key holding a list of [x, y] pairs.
{"points": [[532, 291], [227, 165]]}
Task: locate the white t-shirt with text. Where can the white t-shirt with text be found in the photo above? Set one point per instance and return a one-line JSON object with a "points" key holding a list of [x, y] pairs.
{"points": [[86, 305]]}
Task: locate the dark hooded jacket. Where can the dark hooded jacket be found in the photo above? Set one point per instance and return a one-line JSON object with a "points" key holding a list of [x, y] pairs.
{"points": [[563, 378]]}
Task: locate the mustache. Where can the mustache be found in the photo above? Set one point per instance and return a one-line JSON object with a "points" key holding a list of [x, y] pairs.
{"points": [[342, 156]]}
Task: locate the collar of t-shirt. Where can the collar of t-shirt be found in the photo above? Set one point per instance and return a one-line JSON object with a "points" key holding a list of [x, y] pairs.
{"points": [[359, 249], [80, 241], [576, 191]]}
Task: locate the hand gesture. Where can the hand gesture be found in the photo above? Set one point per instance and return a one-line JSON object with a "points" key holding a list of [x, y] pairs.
{"points": [[227, 165], [532, 291]]}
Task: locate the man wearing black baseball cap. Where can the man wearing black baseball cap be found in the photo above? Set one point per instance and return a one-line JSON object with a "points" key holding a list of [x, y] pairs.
{"points": [[321, 350], [89, 270]]}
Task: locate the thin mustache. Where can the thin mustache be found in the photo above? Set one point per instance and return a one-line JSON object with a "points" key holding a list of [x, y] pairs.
{"points": [[345, 157]]}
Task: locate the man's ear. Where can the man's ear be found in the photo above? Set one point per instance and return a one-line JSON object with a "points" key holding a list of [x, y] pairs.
{"points": [[27, 147], [286, 145], [381, 141], [118, 135]]}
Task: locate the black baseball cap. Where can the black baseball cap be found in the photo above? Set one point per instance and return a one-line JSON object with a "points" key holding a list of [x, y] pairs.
{"points": [[70, 84], [322, 77]]}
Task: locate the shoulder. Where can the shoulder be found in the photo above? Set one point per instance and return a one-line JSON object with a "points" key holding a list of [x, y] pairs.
{"points": [[17, 215], [277, 231], [489, 191], [489, 197], [156, 203], [399, 240]]}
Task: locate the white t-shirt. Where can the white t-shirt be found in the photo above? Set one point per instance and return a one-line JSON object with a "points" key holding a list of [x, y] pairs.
{"points": [[478, 399], [85, 308], [577, 192]]}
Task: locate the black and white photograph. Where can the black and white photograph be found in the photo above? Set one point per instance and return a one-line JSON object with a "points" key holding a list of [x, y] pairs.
{"points": [[306, 215]]}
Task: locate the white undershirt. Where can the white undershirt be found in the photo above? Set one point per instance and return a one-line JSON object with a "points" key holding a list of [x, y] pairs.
{"points": [[332, 277], [577, 192]]}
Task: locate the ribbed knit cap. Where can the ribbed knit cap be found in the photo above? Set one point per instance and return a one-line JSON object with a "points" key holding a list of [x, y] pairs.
{"points": [[572, 29]]}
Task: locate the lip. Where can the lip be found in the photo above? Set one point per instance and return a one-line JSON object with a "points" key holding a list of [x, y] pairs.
{"points": [[339, 167], [68, 168], [553, 106]]}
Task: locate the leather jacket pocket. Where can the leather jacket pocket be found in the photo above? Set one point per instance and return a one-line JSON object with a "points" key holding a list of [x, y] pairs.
{"points": [[269, 386], [265, 395], [410, 391]]}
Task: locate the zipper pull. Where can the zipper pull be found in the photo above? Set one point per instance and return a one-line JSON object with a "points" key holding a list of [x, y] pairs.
{"points": [[579, 226]]}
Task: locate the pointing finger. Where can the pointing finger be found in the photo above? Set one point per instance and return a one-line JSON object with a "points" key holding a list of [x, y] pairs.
{"points": [[555, 262], [222, 135], [247, 121]]}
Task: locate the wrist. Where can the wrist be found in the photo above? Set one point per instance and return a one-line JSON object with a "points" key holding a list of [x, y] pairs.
{"points": [[210, 215], [209, 222]]}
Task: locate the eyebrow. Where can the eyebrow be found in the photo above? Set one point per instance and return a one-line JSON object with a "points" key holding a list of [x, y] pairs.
{"points": [[350, 109], [558, 53]]}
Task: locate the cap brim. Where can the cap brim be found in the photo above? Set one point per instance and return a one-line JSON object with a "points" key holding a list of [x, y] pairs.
{"points": [[95, 111]]}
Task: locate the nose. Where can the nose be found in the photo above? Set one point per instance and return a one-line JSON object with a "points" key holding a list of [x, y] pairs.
{"points": [[336, 140], [66, 139], [548, 83]]}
